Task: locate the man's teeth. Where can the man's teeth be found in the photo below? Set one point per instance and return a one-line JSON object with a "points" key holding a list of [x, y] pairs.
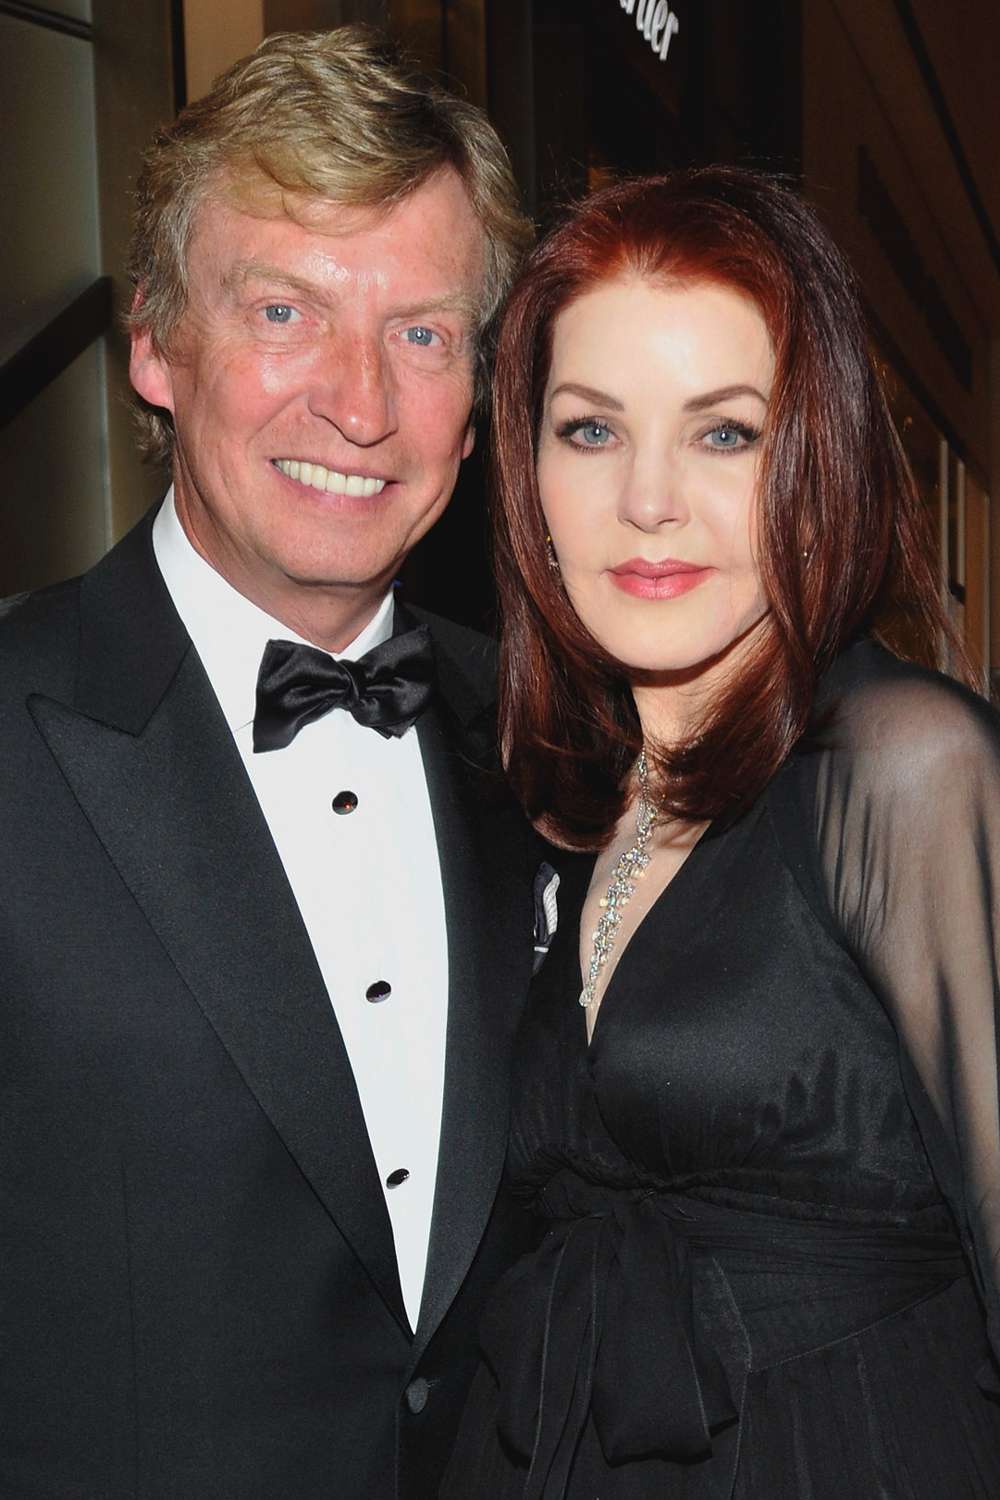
{"points": [[329, 480]]}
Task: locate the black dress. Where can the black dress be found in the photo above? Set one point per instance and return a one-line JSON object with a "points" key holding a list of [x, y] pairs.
{"points": [[769, 1191]]}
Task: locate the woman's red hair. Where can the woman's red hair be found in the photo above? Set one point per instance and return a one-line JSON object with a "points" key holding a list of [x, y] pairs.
{"points": [[840, 530]]}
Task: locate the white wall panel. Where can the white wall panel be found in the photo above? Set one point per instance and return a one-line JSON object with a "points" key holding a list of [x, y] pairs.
{"points": [[49, 247]]}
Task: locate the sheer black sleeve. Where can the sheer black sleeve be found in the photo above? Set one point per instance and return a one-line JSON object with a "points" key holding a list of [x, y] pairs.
{"points": [[899, 799]]}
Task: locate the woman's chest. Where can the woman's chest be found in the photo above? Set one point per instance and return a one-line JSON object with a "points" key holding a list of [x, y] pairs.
{"points": [[735, 1028]]}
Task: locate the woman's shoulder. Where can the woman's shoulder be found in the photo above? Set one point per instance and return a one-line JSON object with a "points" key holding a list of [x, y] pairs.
{"points": [[900, 764], [878, 715]]}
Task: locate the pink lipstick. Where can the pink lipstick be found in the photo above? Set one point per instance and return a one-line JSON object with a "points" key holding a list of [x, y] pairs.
{"points": [[658, 580]]}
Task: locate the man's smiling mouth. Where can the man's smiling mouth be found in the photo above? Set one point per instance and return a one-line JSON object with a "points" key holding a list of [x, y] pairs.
{"points": [[330, 481]]}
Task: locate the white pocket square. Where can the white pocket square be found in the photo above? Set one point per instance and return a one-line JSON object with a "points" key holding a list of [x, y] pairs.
{"points": [[546, 912]]}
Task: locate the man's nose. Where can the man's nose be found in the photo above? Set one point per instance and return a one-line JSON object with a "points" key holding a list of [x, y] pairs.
{"points": [[353, 391], [654, 494]]}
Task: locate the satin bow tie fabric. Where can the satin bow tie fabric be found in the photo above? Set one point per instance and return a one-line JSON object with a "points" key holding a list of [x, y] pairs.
{"points": [[387, 689]]}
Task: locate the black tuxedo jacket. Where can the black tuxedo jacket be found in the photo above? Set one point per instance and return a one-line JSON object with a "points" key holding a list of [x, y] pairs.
{"points": [[199, 1290]]}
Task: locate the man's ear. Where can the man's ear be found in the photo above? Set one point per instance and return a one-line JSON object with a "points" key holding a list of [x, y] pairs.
{"points": [[148, 370]]}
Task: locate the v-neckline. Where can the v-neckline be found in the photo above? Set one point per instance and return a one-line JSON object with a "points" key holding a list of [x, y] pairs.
{"points": [[623, 954]]}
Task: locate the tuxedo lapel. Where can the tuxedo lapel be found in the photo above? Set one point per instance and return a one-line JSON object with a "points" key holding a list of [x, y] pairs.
{"points": [[483, 846], [146, 751]]}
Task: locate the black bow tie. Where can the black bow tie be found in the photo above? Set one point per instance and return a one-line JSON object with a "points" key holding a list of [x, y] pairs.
{"points": [[386, 689]]}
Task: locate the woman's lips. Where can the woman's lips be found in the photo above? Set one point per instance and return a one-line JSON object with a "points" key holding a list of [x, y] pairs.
{"points": [[658, 580]]}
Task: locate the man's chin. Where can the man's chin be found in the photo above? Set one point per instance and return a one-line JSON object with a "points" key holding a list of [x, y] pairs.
{"points": [[340, 586], [339, 577]]}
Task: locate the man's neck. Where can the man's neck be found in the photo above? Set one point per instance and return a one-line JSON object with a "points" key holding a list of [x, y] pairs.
{"points": [[329, 623]]}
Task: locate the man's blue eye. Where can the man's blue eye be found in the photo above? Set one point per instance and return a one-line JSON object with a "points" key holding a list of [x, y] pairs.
{"points": [[420, 336], [279, 312]]}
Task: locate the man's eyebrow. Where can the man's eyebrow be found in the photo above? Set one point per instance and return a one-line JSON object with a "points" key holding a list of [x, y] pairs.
{"points": [[724, 393], [458, 302], [588, 393], [242, 271]]}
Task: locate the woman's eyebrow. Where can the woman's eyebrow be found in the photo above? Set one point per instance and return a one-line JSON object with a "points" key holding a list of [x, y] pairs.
{"points": [[588, 393], [724, 393], [696, 403]]}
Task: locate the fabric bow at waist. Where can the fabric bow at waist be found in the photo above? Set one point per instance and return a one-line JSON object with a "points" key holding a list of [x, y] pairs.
{"points": [[599, 1321]]}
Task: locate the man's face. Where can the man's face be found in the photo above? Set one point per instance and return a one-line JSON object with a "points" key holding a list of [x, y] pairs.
{"points": [[321, 386]]}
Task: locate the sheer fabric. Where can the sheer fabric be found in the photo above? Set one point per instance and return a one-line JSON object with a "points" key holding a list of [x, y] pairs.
{"points": [[768, 1192], [902, 794]]}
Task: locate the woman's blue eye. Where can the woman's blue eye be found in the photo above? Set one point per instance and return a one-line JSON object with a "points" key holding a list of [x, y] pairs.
{"points": [[730, 435], [279, 312], [584, 432], [420, 336]]}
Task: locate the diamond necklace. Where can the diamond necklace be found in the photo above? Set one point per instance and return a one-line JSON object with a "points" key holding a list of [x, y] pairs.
{"points": [[628, 867]]}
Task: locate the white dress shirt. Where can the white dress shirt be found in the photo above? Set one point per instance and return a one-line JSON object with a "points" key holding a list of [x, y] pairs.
{"points": [[367, 882]]}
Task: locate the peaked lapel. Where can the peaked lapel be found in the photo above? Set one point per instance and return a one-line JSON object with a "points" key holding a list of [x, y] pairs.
{"points": [[146, 751], [484, 848]]}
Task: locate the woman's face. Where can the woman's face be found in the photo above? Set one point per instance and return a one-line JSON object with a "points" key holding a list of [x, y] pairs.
{"points": [[647, 469]]}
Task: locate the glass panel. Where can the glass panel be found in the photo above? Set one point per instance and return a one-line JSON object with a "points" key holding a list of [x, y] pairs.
{"points": [[923, 445], [956, 524], [48, 184], [52, 502], [977, 563], [79, 10]]}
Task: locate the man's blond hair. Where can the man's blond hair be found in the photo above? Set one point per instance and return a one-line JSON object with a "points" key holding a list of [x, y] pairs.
{"points": [[337, 115]]}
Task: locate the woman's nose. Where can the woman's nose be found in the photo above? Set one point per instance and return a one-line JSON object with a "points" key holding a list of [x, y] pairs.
{"points": [[653, 494]]}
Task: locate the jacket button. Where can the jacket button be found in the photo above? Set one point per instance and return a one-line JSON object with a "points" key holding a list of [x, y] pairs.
{"points": [[416, 1395]]}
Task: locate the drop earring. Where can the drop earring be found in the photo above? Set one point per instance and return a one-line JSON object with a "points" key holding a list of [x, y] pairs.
{"points": [[550, 553]]}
